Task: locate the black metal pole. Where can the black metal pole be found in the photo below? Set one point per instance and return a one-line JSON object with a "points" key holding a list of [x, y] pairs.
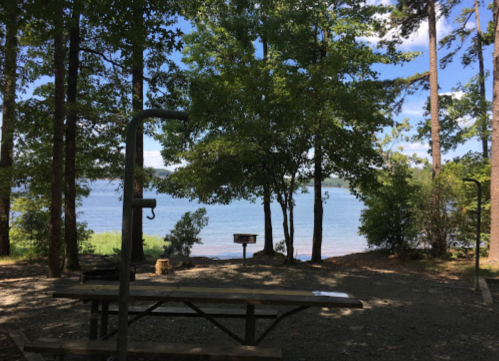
{"points": [[244, 253], [478, 221], [126, 230]]}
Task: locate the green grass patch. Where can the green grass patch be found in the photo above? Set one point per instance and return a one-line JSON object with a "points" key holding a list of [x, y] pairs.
{"points": [[486, 270], [11, 259], [108, 242]]}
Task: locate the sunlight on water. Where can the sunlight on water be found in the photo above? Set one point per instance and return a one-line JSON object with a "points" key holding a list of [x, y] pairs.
{"points": [[103, 212]]}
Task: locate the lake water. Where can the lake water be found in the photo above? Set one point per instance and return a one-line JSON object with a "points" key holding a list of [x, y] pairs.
{"points": [[103, 212]]}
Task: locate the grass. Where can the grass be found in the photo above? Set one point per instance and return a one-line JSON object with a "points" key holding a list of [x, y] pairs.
{"points": [[11, 259], [106, 243]]}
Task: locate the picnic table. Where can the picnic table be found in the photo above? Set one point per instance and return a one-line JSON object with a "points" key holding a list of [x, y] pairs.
{"points": [[101, 294], [124, 293]]}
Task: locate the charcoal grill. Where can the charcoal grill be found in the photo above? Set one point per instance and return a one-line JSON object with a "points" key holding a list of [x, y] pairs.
{"points": [[244, 239]]}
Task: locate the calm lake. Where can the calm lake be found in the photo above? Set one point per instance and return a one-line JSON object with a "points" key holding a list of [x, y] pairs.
{"points": [[103, 212]]}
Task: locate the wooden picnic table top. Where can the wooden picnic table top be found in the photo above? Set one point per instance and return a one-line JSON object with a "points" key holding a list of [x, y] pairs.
{"points": [[106, 291]]}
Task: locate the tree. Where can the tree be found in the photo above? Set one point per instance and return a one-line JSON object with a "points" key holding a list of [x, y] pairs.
{"points": [[244, 127], [253, 111], [494, 181], [435, 125], [133, 28], [8, 119], [391, 219], [186, 233], [54, 269], [241, 24], [460, 118], [71, 262], [95, 102], [473, 53], [409, 16], [337, 66]]}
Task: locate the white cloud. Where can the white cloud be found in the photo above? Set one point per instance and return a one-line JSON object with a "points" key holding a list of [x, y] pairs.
{"points": [[153, 158], [413, 112], [414, 109], [418, 39], [470, 25], [420, 150], [456, 95], [378, 2]]}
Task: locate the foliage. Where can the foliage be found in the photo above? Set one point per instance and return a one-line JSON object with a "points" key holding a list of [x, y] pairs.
{"points": [[185, 233], [253, 120], [104, 244], [399, 213], [390, 219], [466, 30], [332, 182], [280, 246], [461, 117], [30, 227]]}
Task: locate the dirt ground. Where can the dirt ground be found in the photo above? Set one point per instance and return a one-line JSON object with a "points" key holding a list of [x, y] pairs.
{"points": [[408, 314]]}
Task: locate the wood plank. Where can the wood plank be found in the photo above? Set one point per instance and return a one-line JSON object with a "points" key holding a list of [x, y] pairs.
{"points": [[487, 297], [237, 290], [212, 295], [154, 349], [188, 312]]}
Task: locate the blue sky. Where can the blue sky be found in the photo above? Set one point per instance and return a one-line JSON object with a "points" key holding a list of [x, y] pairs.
{"points": [[413, 108]]}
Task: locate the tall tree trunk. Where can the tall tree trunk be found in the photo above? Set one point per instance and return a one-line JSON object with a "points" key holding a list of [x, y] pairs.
{"points": [[71, 262], [435, 123], [138, 105], [318, 209], [483, 126], [287, 236], [8, 119], [268, 247], [318, 206], [438, 241], [494, 178], [58, 149]]}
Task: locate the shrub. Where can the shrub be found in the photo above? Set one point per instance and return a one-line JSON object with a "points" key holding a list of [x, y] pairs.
{"points": [[185, 233], [391, 220], [30, 228]]}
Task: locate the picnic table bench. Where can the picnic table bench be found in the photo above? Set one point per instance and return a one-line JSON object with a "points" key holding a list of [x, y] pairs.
{"points": [[102, 294]]}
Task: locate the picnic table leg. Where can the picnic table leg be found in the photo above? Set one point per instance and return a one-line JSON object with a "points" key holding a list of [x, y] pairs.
{"points": [[94, 320], [250, 325], [104, 317], [94, 323]]}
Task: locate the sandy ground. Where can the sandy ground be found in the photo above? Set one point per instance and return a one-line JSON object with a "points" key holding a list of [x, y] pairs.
{"points": [[406, 316]]}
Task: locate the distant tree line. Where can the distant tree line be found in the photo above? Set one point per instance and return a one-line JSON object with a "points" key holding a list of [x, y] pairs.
{"points": [[332, 183]]}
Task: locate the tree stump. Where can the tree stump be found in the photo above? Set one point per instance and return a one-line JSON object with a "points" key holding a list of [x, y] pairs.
{"points": [[163, 267]]}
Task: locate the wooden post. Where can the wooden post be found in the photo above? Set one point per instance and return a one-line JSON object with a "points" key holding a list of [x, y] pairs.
{"points": [[94, 323], [104, 316], [250, 324], [94, 319]]}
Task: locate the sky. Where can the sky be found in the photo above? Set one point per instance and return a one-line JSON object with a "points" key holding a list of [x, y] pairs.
{"points": [[413, 106]]}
